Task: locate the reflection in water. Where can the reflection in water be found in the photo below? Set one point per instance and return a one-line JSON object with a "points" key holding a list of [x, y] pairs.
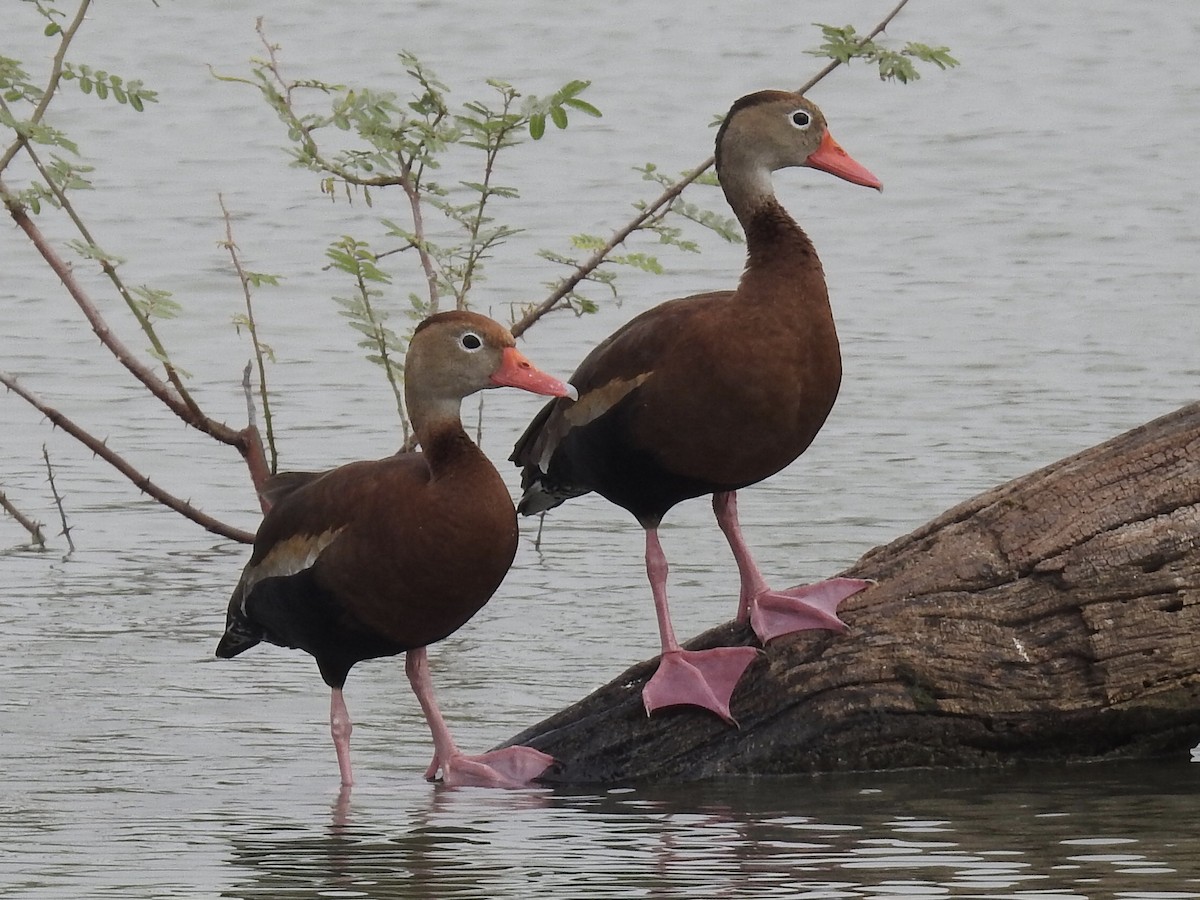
{"points": [[1064, 833]]}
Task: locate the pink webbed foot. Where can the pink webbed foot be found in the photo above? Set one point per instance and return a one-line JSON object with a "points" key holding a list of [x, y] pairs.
{"points": [[509, 767], [704, 678], [776, 613]]}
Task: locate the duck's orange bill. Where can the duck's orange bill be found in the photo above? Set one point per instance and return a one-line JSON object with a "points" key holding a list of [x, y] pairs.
{"points": [[831, 158], [516, 371]]}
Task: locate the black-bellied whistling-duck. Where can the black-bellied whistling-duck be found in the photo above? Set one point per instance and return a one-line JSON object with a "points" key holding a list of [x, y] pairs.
{"points": [[710, 393], [387, 556]]}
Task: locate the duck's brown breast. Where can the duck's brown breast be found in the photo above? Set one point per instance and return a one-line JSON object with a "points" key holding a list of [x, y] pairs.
{"points": [[415, 556]]}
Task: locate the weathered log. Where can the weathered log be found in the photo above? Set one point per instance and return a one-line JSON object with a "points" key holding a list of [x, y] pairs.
{"points": [[1055, 617]]}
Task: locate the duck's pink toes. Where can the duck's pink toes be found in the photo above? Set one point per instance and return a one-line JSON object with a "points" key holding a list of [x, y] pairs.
{"points": [[509, 767], [704, 678], [776, 613]]}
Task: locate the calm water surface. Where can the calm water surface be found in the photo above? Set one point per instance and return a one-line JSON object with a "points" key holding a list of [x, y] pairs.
{"points": [[1024, 288]]}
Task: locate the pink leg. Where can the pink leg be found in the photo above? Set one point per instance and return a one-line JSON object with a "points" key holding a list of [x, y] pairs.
{"points": [[340, 727], [774, 613], [704, 678], [510, 767]]}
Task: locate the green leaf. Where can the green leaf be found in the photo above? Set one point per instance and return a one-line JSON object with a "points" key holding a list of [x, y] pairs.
{"points": [[583, 106], [639, 261], [258, 279], [154, 303], [93, 251], [938, 56], [587, 241], [559, 115], [537, 126], [573, 88], [840, 43]]}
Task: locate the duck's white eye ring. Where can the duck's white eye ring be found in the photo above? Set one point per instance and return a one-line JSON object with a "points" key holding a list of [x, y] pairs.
{"points": [[470, 341], [801, 119]]}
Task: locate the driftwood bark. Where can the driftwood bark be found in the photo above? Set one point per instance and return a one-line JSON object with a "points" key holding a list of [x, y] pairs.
{"points": [[1056, 617]]}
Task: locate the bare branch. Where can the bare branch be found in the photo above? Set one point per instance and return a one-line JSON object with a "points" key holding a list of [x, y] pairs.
{"points": [[62, 515], [251, 412], [140, 481]]}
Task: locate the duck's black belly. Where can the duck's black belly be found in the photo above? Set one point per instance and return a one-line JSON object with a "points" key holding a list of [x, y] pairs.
{"points": [[296, 611]]}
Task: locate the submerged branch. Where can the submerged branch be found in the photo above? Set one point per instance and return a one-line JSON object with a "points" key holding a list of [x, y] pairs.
{"points": [[34, 528]]}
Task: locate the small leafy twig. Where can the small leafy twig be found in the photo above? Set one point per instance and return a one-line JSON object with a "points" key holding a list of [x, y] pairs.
{"points": [[56, 72], [248, 281], [402, 143], [843, 44], [34, 528], [413, 159], [384, 346], [490, 131], [62, 514], [140, 481]]}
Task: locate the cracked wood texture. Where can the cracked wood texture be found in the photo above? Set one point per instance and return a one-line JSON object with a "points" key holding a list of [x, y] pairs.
{"points": [[1055, 617]]}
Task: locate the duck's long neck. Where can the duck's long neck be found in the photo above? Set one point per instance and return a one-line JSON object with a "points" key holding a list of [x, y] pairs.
{"points": [[439, 430], [774, 242]]}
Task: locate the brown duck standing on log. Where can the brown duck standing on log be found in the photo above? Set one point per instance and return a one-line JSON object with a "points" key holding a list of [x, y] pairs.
{"points": [[388, 556], [711, 393]]}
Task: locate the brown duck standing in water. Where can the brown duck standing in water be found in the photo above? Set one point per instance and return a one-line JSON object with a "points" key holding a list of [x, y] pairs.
{"points": [[388, 556], [711, 393]]}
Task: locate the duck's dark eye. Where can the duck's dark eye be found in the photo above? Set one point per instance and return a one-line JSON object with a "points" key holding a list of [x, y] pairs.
{"points": [[801, 119], [470, 341]]}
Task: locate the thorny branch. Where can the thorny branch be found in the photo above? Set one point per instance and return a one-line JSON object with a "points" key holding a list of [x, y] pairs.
{"points": [[62, 513], [144, 484]]}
